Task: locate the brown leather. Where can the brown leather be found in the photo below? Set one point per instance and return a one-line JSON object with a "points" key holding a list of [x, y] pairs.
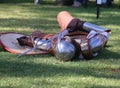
{"points": [[24, 40], [76, 33], [87, 53], [80, 25], [67, 21], [39, 34], [82, 37], [28, 40], [76, 25]]}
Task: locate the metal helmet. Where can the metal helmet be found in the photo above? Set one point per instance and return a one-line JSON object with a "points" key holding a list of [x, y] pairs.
{"points": [[65, 49]]}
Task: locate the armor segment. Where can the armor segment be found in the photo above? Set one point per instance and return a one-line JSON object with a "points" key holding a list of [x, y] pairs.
{"points": [[89, 27], [45, 44], [65, 50]]}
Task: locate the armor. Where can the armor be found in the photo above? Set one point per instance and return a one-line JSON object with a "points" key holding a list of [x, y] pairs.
{"points": [[44, 44], [89, 27], [65, 49], [76, 39], [97, 40]]}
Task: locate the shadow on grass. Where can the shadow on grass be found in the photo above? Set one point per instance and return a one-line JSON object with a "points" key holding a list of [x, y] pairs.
{"points": [[100, 86], [13, 23], [39, 22], [17, 68], [54, 10], [107, 54]]}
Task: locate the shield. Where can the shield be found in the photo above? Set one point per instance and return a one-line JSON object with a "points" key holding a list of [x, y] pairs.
{"points": [[9, 42]]}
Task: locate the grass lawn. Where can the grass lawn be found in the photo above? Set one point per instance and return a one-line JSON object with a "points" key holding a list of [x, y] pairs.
{"points": [[44, 71]]}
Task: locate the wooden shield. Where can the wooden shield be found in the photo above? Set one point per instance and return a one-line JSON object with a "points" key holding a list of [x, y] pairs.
{"points": [[9, 42]]}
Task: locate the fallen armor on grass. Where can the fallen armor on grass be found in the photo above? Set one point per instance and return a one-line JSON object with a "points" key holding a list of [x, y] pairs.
{"points": [[77, 39]]}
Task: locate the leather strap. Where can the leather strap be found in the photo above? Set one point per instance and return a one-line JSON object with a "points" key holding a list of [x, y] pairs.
{"points": [[83, 43], [86, 49]]}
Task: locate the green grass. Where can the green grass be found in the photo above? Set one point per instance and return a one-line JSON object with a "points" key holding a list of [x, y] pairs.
{"points": [[44, 71]]}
